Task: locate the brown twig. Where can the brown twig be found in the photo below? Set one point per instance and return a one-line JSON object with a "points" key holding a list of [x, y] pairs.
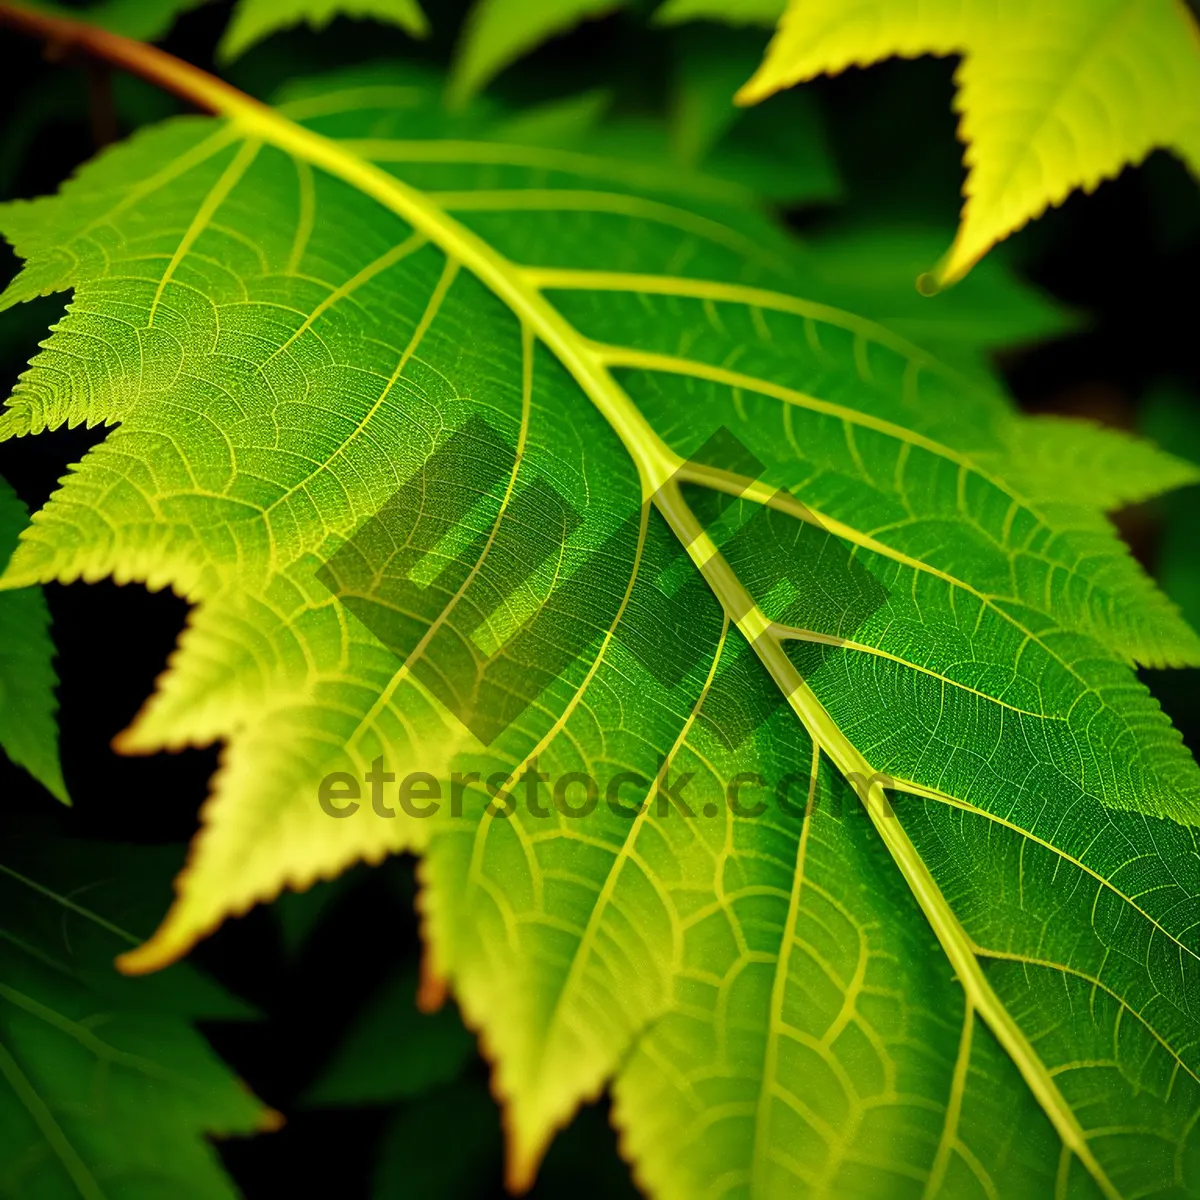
{"points": [[101, 104], [64, 53], [65, 39]]}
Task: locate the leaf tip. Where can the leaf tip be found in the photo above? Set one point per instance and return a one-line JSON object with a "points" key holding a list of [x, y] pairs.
{"points": [[56, 786], [169, 943], [952, 267], [927, 284], [520, 1171], [271, 1121], [755, 89], [433, 989], [131, 744]]}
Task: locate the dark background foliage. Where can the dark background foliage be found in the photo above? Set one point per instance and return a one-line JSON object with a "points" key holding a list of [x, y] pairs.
{"points": [[1126, 258]]}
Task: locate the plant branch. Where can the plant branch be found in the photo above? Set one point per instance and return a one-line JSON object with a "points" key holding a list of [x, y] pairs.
{"points": [[102, 104], [65, 38]]}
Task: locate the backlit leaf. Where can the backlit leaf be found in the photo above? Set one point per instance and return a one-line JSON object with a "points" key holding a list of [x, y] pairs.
{"points": [[1054, 94], [560, 474]]}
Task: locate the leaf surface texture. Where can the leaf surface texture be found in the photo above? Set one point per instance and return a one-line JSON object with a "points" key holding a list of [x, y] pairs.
{"points": [[286, 315]]}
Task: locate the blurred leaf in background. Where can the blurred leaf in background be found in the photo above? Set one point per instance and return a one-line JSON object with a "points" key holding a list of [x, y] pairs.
{"points": [[1171, 417], [108, 1088], [143, 20], [779, 149], [870, 268], [393, 1051], [448, 1146], [498, 32], [254, 20], [734, 12]]}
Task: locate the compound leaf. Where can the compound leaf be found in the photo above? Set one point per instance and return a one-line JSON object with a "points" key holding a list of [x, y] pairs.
{"points": [[497, 465], [1054, 96]]}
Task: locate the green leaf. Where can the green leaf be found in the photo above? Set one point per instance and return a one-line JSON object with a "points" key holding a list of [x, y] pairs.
{"points": [[498, 32], [28, 729], [870, 268], [1063, 459], [778, 149], [1053, 98], [146, 20], [299, 913], [583, 442], [711, 65], [84, 898], [413, 1161], [1171, 416], [394, 1052], [254, 20], [732, 12], [106, 1089]]}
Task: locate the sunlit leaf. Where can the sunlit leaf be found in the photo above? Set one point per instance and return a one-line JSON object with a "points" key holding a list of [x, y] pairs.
{"points": [[1054, 96], [561, 470]]}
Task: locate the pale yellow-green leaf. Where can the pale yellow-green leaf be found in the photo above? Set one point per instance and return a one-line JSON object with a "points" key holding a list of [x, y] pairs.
{"points": [[286, 314], [1054, 94]]}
